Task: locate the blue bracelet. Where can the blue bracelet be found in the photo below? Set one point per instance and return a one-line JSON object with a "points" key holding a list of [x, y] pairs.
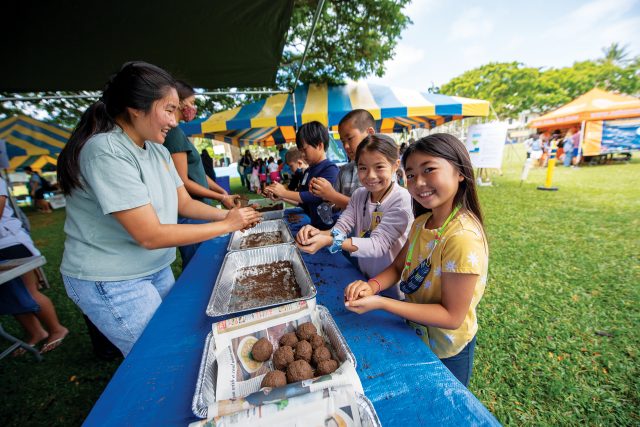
{"points": [[338, 239]]}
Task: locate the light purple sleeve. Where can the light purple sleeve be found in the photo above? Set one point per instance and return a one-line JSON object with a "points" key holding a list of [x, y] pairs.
{"points": [[347, 221], [396, 220]]}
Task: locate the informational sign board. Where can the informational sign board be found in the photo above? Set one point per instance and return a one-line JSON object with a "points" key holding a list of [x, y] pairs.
{"points": [[4, 157], [485, 143]]}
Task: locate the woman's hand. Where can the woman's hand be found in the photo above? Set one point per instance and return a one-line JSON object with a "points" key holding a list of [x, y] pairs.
{"points": [[315, 243], [230, 201], [358, 289], [363, 305], [305, 234], [242, 218]]}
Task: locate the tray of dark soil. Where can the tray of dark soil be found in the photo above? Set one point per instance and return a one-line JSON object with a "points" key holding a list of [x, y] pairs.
{"points": [[260, 278], [267, 233], [270, 209]]}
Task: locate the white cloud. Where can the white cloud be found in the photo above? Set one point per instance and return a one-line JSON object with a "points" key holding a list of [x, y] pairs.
{"points": [[405, 57], [471, 24], [419, 8]]}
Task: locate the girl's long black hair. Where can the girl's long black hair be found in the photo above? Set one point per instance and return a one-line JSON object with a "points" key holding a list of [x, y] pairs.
{"points": [[450, 148], [137, 85]]}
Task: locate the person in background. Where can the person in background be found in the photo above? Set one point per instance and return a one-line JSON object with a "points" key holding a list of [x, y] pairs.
{"points": [[378, 215], [255, 176], [240, 168], [312, 140], [191, 168], [567, 147], [123, 197], [186, 158], [354, 127], [21, 296], [282, 173], [575, 155], [37, 187], [207, 164], [295, 161], [443, 266], [247, 162], [274, 174], [262, 175]]}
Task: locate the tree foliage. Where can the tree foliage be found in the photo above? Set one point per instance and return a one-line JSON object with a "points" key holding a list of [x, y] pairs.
{"points": [[513, 88], [352, 40]]}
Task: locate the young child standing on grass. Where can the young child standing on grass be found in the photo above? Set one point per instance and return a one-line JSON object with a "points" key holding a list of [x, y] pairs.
{"points": [[442, 268], [379, 213]]}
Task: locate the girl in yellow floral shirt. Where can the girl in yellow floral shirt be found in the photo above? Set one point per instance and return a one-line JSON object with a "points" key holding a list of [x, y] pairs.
{"points": [[442, 268]]}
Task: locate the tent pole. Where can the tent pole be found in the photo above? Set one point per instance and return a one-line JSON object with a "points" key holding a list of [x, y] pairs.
{"points": [[309, 39], [243, 92], [579, 156], [96, 96], [295, 111]]}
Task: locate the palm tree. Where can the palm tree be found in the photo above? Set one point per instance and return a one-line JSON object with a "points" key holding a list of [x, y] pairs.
{"points": [[615, 54]]}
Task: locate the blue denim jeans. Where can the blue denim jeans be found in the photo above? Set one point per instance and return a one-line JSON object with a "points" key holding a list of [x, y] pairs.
{"points": [[121, 309], [461, 364]]}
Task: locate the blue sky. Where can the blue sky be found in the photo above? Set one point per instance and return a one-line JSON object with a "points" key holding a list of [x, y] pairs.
{"points": [[448, 38]]}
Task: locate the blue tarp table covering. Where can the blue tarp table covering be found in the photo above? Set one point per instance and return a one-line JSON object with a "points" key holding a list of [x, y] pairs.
{"points": [[406, 382]]}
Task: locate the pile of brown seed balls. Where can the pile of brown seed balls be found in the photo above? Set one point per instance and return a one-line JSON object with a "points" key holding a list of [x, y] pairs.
{"points": [[296, 357]]}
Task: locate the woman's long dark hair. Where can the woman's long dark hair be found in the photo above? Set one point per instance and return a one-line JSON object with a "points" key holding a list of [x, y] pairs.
{"points": [[137, 85], [450, 148]]}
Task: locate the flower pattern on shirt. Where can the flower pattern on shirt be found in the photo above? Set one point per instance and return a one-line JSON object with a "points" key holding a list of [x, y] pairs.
{"points": [[427, 284], [473, 259], [450, 266], [438, 271]]}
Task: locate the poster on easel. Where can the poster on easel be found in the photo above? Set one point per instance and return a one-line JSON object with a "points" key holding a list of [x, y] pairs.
{"points": [[485, 143]]}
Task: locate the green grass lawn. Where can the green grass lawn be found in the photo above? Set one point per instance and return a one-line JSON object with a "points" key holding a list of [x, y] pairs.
{"points": [[558, 341]]}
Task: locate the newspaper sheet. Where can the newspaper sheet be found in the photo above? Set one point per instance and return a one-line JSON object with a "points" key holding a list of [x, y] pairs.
{"points": [[240, 376], [333, 406]]}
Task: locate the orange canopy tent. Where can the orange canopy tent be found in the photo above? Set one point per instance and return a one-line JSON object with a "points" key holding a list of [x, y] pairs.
{"points": [[596, 104], [588, 112]]}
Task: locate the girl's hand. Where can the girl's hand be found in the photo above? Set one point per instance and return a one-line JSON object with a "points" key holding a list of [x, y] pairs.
{"points": [[315, 243], [305, 234], [242, 218], [363, 305], [357, 289]]}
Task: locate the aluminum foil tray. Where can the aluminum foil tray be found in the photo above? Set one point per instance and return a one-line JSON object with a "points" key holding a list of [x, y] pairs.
{"points": [[266, 216], [220, 303], [205, 393], [368, 414], [263, 227]]}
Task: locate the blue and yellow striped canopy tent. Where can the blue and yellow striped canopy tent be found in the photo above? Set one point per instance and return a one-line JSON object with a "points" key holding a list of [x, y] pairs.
{"points": [[273, 120], [31, 142]]}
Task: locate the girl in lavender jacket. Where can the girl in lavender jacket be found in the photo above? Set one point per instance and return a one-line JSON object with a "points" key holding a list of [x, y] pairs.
{"points": [[379, 214]]}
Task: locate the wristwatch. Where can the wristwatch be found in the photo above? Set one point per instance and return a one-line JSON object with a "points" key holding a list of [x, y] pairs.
{"points": [[338, 238]]}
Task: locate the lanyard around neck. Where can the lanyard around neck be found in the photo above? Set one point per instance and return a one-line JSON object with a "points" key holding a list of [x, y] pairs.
{"points": [[439, 232], [378, 203]]}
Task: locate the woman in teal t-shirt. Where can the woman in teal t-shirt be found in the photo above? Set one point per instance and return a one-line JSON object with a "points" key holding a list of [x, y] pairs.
{"points": [[123, 199]]}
